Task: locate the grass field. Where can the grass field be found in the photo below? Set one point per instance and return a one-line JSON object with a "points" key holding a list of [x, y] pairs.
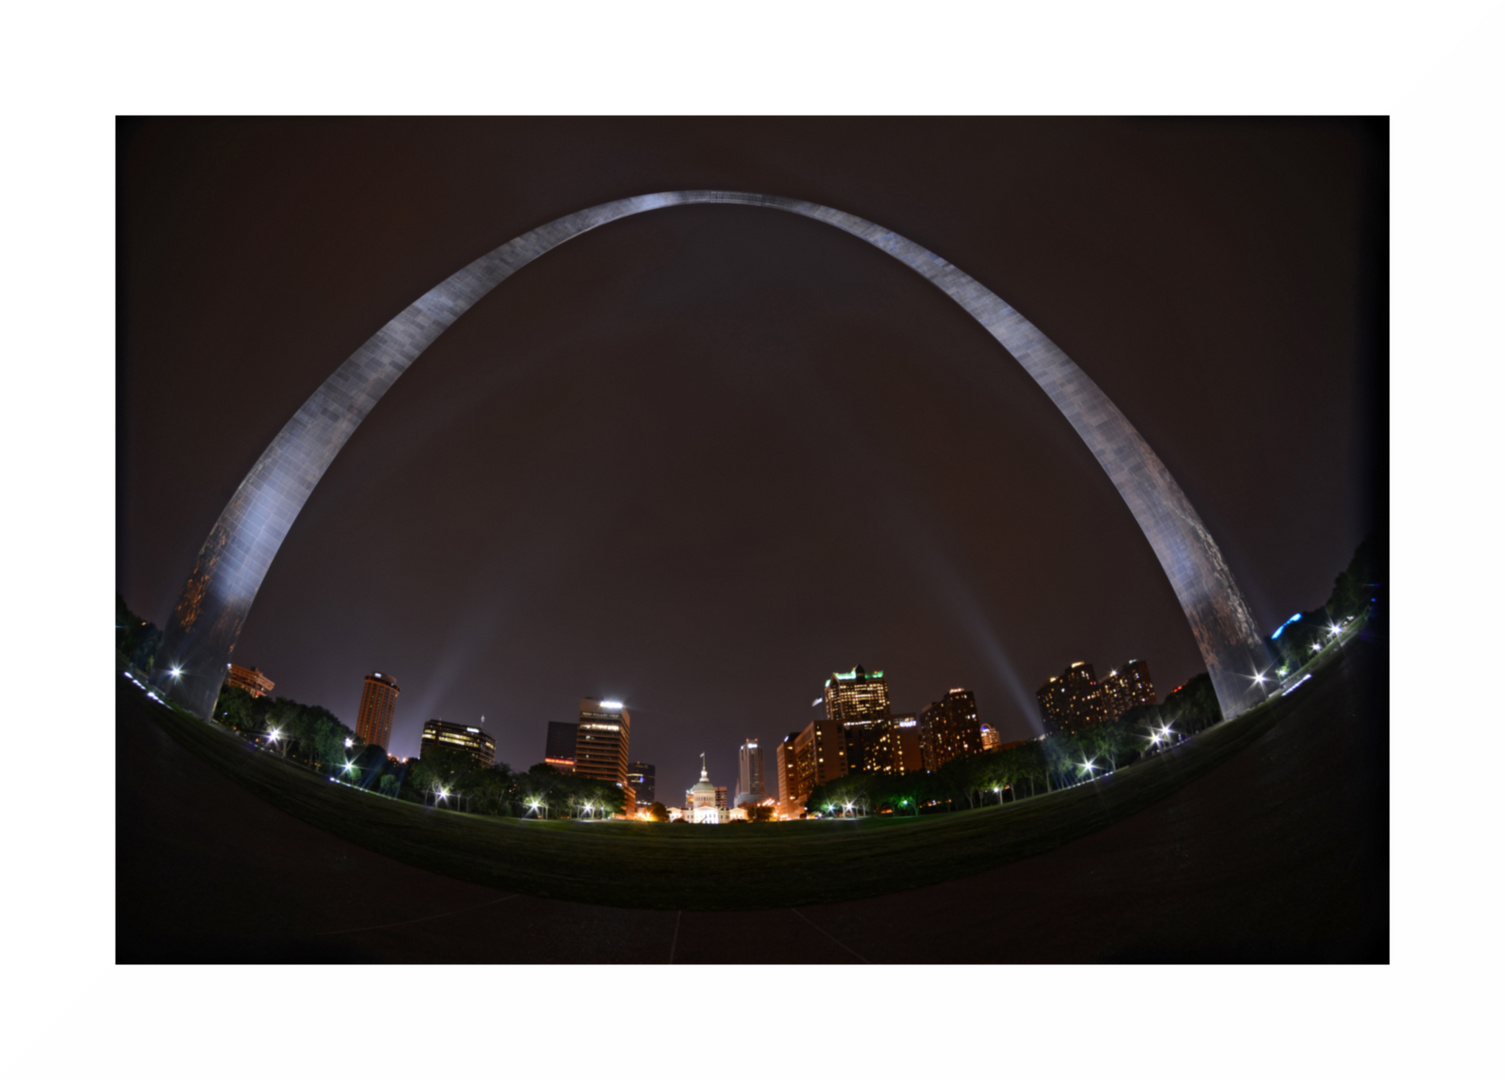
{"points": [[745, 866]]}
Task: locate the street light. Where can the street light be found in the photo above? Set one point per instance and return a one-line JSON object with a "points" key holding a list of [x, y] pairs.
{"points": [[999, 793], [176, 672]]}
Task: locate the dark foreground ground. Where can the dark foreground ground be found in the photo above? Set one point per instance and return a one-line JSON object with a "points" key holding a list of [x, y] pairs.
{"points": [[1279, 854]]}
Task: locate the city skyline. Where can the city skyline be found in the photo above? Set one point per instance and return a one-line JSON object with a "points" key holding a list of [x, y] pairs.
{"points": [[940, 436]]}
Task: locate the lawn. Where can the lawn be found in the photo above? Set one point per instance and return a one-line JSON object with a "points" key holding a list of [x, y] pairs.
{"points": [[733, 867]]}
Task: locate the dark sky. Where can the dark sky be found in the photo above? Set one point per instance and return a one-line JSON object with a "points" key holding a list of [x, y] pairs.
{"points": [[700, 458]]}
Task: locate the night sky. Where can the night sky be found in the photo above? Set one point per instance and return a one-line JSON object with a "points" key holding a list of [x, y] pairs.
{"points": [[701, 458]]}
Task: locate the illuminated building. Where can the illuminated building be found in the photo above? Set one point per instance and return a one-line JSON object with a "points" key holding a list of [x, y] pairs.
{"points": [[472, 740], [640, 779], [820, 756], [784, 760], [1075, 698], [373, 723], [1127, 687], [1070, 701], [856, 695], [991, 740], [251, 681], [911, 755], [750, 768], [858, 700], [601, 744], [559, 750], [706, 802], [949, 729], [873, 746]]}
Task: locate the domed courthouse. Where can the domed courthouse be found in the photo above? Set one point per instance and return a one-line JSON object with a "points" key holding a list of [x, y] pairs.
{"points": [[702, 807]]}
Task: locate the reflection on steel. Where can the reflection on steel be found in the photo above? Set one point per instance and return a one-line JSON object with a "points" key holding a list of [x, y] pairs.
{"points": [[233, 561]]}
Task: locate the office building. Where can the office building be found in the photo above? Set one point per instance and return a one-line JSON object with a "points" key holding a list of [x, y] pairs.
{"points": [[250, 680], [788, 778], [601, 744], [910, 752], [373, 723], [472, 740], [640, 779], [874, 746], [949, 729], [750, 786], [559, 749], [990, 740], [858, 700], [820, 756], [856, 695]]}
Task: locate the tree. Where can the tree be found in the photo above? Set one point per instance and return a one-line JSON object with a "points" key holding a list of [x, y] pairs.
{"points": [[658, 812], [136, 640]]}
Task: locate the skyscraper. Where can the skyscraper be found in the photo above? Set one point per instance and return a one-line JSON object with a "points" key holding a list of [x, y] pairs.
{"points": [[1076, 698], [856, 695], [820, 756], [911, 754], [949, 728], [559, 750], [1071, 700], [373, 723], [640, 777], [858, 701], [472, 740], [1126, 687], [601, 743], [750, 786], [784, 759]]}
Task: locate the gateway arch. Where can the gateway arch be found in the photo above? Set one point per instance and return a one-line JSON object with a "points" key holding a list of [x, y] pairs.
{"points": [[207, 620]]}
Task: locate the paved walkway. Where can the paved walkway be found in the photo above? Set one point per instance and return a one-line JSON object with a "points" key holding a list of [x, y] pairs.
{"points": [[1280, 855]]}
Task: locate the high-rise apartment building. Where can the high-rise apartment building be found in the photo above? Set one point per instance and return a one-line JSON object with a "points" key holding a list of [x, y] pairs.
{"points": [[472, 740], [949, 728], [1071, 700], [601, 744], [559, 750], [251, 681], [1125, 687], [641, 779], [750, 785], [373, 723], [1075, 698]]}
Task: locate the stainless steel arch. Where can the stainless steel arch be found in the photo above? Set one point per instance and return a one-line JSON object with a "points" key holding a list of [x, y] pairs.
{"points": [[239, 550]]}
